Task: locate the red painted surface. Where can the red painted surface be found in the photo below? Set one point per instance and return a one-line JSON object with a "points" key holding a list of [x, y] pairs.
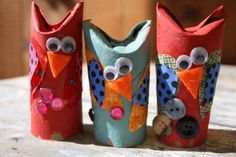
{"points": [[174, 40], [67, 85]]}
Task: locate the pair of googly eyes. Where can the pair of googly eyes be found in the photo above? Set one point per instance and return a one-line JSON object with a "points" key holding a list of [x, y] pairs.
{"points": [[198, 56], [67, 44], [122, 67]]}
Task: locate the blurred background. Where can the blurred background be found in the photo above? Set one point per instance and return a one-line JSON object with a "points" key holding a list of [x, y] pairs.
{"points": [[116, 17]]}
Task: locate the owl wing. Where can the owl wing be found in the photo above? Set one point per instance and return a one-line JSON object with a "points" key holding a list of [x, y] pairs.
{"points": [[167, 80], [38, 64], [208, 82], [139, 108], [141, 95], [97, 84]]}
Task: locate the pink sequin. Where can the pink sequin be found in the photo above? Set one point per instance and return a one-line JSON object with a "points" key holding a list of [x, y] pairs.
{"points": [[42, 108], [46, 95], [117, 113], [57, 104]]}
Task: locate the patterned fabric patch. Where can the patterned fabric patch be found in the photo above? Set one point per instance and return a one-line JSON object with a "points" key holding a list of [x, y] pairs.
{"points": [[138, 117], [167, 84], [141, 96], [33, 62], [96, 80], [167, 60], [209, 71], [215, 57], [211, 82], [40, 69]]}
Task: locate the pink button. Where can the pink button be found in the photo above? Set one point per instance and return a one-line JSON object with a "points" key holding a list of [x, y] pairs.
{"points": [[117, 113], [42, 108], [46, 95], [57, 104]]}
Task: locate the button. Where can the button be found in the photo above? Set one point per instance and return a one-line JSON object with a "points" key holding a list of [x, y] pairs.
{"points": [[187, 127], [117, 113], [91, 114], [161, 125], [42, 108], [46, 94], [174, 109], [57, 104]]}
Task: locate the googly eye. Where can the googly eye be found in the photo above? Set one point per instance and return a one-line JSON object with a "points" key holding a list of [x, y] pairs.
{"points": [[183, 62], [199, 55], [53, 44], [110, 73], [123, 65], [68, 45]]}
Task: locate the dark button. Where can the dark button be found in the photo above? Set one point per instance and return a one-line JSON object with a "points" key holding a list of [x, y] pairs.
{"points": [[91, 114], [187, 127]]}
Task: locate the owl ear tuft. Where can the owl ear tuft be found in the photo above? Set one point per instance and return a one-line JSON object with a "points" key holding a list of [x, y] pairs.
{"points": [[94, 37], [214, 18], [38, 20], [167, 18]]}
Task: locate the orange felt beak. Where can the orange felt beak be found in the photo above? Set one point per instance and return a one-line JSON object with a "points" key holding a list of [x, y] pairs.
{"points": [[123, 86], [57, 62], [191, 79]]}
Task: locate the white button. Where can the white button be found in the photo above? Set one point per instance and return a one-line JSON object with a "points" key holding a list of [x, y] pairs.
{"points": [[175, 109]]}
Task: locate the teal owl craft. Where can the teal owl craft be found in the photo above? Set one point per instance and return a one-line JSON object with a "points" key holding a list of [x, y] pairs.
{"points": [[118, 74]]}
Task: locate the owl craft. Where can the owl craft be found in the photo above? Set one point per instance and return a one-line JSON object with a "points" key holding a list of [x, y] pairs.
{"points": [[119, 84], [55, 75], [187, 68]]}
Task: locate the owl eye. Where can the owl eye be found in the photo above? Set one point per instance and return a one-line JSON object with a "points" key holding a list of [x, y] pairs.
{"points": [[110, 73], [123, 65], [183, 62], [199, 55], [68, 45], [53, 44]]}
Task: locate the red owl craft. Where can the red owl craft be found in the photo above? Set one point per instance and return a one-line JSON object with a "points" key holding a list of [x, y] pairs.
{"points": [[188, 64], [55, 75]]}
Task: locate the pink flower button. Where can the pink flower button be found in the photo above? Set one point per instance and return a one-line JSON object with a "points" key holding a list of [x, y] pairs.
{"points": [[42, 108], [46, 95], [117, 113], [57, 104]]}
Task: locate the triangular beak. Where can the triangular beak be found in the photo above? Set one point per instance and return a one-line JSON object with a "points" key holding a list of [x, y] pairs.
{"points": [[123, 86], [191, 79], [57, 62]]}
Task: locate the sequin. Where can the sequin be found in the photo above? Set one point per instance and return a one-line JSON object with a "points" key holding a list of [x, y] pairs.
{"points": [[46, 95], [42, 108], [57, 104], [117, 113]]}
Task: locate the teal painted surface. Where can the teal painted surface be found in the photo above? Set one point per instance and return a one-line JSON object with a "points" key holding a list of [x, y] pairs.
{"points": [[136, 47]]}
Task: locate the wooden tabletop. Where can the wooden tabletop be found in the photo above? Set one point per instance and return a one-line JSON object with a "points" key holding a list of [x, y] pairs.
{"points": [[16, 140]]}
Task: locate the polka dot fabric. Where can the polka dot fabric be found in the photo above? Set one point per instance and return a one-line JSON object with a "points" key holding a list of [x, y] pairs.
{"points": [[167, 83], [211, 82], [141, 96], [33, 62], [96, 80]]}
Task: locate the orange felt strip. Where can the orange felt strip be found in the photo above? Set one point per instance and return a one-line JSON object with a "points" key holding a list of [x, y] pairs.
{"points": [[122, 86], [191, 79], [144, 75], [90, 56], [111, 99], [138, 117], [57, 62]]}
